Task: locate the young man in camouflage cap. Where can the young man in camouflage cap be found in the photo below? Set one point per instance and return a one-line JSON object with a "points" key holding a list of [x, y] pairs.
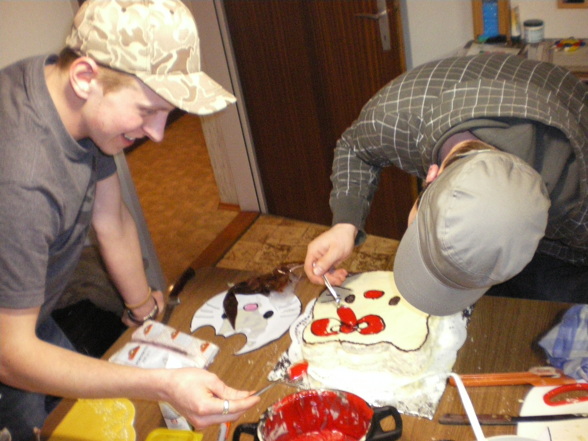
{"points": [[126, 65]]}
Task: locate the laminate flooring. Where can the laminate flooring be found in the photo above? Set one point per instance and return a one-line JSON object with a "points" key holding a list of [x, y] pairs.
{"points": [[180, 200], [178, 194]]}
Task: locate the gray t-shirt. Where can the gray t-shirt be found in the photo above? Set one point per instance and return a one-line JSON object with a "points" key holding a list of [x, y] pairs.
{"points": [[47, 187]]}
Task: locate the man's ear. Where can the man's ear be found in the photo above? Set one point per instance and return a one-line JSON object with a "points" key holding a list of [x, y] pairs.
{"points": [[432, 173], [83, 74]]}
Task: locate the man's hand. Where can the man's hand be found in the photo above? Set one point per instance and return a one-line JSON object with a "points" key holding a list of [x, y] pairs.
{"points": [[199, 396], [327, 251]]}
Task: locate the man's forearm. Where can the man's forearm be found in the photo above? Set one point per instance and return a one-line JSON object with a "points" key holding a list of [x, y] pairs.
{"points": [[121, 251]]}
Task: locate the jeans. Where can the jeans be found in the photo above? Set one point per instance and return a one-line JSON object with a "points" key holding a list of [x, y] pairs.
{"points": [[21, 411], [547, 278]]}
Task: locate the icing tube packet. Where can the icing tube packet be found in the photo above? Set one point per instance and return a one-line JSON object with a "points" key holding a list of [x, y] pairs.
{"points": [[173, 420], [144, 355], [156, 333], [156, 346]]}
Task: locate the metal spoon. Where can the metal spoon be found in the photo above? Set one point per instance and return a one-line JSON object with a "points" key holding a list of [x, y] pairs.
{"points": [[265, 389], [295, 375], [332, 290]]}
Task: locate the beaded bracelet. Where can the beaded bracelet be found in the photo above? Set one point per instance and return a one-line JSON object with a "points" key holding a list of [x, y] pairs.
{"points": [[142, 302]]}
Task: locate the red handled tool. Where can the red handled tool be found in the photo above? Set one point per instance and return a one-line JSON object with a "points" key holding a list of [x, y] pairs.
{"points": [[537, 376], [554, 396]]}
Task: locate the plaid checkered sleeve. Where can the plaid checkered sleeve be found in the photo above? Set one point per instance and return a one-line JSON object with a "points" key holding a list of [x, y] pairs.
{"points": [[403, 122]]}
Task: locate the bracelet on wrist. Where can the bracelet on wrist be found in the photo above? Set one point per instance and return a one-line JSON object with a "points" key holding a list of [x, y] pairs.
{"points": [[139, 321], [142, 302]]}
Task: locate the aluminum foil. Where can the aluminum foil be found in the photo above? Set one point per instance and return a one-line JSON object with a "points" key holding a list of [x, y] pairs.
{"points": [[416, 396]]}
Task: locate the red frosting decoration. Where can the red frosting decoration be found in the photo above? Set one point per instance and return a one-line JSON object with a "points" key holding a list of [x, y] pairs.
{"points": [[369, 324]]}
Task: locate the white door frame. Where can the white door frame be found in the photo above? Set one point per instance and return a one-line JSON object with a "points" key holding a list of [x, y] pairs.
{"points": [[227, 134]]}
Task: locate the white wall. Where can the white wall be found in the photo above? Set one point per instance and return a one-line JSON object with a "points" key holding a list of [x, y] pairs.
{"points": [[559, 23], [30, 27], [433, 28], [227, 137], [438, 28]]}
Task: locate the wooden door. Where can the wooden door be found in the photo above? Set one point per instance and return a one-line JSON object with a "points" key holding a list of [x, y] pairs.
{"points": [[306, 69]]}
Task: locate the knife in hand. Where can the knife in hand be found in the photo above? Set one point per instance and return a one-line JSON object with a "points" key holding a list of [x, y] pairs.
{"points": [[506, 420]]}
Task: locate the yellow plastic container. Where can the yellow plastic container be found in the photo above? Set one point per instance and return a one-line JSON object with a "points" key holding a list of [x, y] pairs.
{"points": [[97, 420], [173, 435]]}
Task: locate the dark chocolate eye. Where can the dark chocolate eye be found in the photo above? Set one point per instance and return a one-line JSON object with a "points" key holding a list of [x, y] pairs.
{"points": [[394, 301], [350, 298], [268, 314], [224, 316]]}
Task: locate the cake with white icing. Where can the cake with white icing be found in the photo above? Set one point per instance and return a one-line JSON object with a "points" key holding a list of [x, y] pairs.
{"points": [[378, 346], [373, 328]]}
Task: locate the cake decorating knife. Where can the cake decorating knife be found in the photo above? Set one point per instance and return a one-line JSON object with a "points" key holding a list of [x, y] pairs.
{"points": [[507, 420], [332, 290], [346, 315]]}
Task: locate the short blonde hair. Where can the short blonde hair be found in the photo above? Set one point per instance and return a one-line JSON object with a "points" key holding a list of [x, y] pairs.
{"points": [[110, 79], [465, 147]]}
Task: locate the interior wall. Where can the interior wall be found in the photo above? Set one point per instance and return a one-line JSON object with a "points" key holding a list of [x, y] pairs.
{"points": [[226, 134], [433, 29], [436, 29], [439, 28], [30, 27], [559, 23]]}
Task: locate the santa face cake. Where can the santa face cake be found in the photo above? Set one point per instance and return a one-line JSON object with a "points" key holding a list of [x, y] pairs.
{"points": [[375, 328]]}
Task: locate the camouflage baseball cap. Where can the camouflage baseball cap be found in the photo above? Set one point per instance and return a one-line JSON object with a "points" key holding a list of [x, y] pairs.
{"points": [[157, 41]]}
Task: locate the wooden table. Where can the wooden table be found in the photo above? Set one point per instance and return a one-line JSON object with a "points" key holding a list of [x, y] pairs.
{"points": [[502, 337]]}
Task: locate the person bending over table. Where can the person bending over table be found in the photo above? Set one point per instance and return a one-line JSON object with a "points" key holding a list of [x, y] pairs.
{"points": [[509, 216], [125, 66]]}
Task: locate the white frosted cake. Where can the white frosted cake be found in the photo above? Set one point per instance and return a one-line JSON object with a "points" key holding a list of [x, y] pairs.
{"points": [[377, 345], [374, 328]]}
